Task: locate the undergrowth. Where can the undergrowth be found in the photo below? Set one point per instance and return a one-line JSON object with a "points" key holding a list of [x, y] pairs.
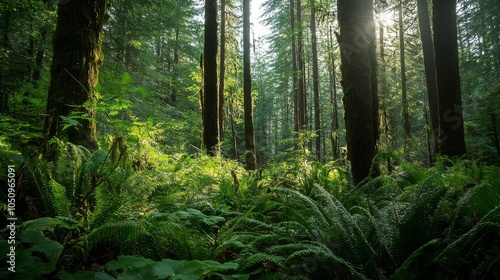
{"points": [[95, 215]]}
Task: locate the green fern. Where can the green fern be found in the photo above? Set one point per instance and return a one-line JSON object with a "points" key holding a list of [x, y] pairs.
{"points": [[122, 232], [258, 259], [475, 254]]}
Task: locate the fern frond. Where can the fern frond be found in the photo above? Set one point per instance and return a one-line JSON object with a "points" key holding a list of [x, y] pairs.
{"points": [[60, 202], [474, 205], [472, 253], [121, 232], [259, 258]]}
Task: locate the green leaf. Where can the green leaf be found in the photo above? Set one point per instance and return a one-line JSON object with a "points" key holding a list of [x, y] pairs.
{"points": [[50, 248], [47, 223], [191, 270], [163, 270], [103, 276]]}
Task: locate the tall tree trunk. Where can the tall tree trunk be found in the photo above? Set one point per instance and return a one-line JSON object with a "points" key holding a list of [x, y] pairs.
{"points": [[286, 107], [247, 90], [317, 112], [222, 67], [210, 94], [430, 71], [357, 47], [75, 69], [372, 52], [175, 65], [302, 99], [404, 93], [384, 90], [451, 122], [333, 100], [233, 129], [295, 70]]}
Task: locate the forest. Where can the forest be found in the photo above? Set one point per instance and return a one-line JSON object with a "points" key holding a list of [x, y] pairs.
{"points": [[250, 139]]}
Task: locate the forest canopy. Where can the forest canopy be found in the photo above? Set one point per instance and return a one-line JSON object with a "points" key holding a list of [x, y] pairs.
{"points": [[174, 139]]}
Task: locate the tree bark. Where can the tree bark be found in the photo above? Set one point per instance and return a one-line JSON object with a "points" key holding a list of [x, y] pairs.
{"points": [[404, 93], [451, 125], [222, 67], [333, 100], [384, 90], [302, 99], [75, 70], [233, 129], [357, 47], [295, 70], [430, 71], [317, 112], [210, 94], [175, 65], [247, 90]]}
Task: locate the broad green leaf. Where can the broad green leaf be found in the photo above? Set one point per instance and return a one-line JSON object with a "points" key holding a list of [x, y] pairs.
{"points": [[50, 248]]}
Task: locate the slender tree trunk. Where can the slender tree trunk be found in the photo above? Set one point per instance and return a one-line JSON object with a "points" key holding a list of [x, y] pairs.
{"points": [[295, 69], [429, 137], [302, 99], [384, 90], [233, 129], [451, 124], [404, 93], [247, 90], [357, 47], [175, 65], [75, 69], [430, 71], [317, 112], [372, 52], [222, 67], [286, 106], [333, 99], [210, 93]]}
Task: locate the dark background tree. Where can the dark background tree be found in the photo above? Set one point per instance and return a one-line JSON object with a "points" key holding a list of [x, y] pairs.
{"points": [[430, 71], [356, 39], [210, 92], [250, 154], [451, 122]]}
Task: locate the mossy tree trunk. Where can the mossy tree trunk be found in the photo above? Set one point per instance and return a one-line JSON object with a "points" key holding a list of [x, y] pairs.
{"points": [[359, 82], [75, 70]]}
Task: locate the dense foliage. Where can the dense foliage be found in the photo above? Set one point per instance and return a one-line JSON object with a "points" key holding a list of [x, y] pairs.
{"points": [[149, 204], [193, 217]]}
